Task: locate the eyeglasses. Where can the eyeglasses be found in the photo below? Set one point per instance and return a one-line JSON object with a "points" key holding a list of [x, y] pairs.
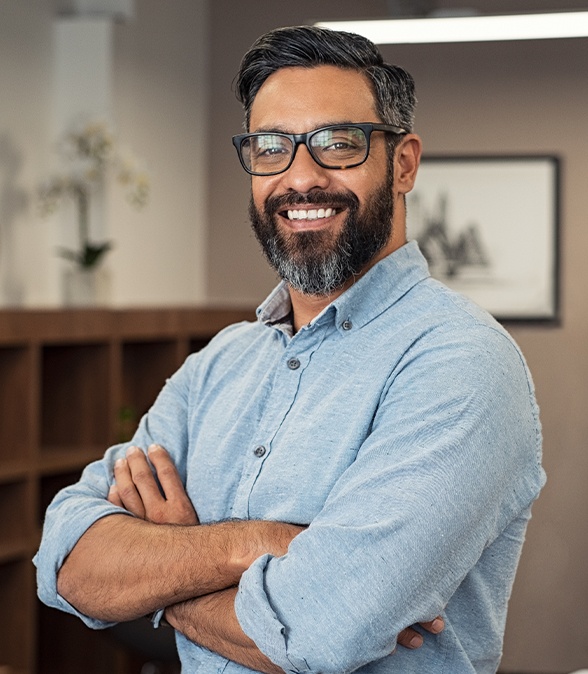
{"points": [[339, 146]]}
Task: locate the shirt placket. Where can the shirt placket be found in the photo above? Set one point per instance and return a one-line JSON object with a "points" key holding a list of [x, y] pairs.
{"points": [[286, 384]]}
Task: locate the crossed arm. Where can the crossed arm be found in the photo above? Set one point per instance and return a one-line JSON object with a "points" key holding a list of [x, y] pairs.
{"points": [[163, 557]]}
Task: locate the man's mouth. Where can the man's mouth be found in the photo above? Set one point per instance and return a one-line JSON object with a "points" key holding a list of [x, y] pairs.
{"points": [[309, 213]]}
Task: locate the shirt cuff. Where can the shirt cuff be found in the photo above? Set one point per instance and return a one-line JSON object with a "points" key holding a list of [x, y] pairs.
{"points": [[259, 621]]}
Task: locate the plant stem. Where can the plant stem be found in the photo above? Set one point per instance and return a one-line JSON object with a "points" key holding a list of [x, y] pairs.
{"points": [[83, 216]]}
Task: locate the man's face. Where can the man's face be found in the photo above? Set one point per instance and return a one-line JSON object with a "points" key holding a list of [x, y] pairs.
{"points": [[320, 228]]}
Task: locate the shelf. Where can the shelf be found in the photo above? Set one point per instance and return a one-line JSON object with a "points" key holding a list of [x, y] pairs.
{"points": [[12, 470], [19, 548], [72, 383], [58, 459]]}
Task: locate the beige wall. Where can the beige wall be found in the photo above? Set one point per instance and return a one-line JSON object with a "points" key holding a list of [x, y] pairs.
{"points": [[160, 111], [161, 96], [494, 98]]}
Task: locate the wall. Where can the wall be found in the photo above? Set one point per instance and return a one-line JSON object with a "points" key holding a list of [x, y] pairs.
{"points": [[161, 85], [160, 107], [494, 98], [25, 75]]}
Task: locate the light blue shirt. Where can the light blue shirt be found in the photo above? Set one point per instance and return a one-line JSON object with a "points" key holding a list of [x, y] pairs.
{"points": [[400, 425]]}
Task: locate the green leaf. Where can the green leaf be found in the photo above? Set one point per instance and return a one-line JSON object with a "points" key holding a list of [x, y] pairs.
{"points": [[89, 256]]}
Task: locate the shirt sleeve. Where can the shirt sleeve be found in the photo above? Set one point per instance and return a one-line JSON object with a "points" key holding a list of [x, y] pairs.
{"points": [[77, 507], [453, 457]]}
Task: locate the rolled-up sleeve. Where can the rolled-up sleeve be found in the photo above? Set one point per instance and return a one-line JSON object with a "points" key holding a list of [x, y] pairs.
{"points": [[453, 458]]}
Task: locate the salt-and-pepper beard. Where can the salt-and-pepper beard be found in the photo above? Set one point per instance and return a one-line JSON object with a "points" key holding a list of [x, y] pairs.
{"points": [[318, 262]]}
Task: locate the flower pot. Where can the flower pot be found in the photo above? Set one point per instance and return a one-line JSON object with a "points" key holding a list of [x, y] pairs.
{"points": [[86, 287]]}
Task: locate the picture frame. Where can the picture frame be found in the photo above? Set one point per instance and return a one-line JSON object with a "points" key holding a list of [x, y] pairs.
{"points": [[489, 228]]}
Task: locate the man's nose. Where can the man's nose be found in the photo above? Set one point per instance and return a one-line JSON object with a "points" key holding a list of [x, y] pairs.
{"points": [[304, 173]]}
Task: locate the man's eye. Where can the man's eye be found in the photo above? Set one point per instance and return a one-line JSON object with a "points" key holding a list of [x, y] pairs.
{"points": [[270, 151], [339, 142], [340, 145]]}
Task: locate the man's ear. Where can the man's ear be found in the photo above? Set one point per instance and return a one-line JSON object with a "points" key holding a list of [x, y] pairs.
{"points": [[406, 162]]}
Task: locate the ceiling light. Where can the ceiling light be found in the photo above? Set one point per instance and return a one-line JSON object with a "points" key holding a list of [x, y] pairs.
{"points": [[468, 28]]}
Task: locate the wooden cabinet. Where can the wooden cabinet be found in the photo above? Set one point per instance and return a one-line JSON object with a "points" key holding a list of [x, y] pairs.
{"points": [[72, 382]]}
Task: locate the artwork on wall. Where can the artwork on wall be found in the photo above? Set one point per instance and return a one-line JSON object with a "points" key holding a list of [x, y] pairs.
{"points": [[488, 227]]}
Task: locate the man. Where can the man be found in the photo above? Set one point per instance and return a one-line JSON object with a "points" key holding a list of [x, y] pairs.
{"points": [[364, 456]]}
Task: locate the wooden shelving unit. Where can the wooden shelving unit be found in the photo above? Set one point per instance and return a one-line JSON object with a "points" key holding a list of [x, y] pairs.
{"points": [[72, 382]]}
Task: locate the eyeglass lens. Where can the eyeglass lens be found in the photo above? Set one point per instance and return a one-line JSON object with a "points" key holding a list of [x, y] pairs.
{"points": [[335, 147]]}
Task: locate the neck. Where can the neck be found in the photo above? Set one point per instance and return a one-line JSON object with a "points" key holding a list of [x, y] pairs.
{"points": [[307, 307]]}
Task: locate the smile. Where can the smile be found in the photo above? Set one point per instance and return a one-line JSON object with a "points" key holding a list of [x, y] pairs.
{"points": [[311, 214]]}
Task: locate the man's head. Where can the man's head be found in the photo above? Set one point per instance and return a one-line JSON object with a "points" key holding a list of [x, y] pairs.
{"points": [[308, 47], [319, 225]]}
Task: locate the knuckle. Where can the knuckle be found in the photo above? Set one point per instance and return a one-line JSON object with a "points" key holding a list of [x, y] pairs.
{"points": [[142, 475], [167, 471], [126, 492], [157, 515]]}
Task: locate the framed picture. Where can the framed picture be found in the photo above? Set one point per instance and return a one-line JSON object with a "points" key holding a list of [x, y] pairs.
{"points": [[488, 227]]}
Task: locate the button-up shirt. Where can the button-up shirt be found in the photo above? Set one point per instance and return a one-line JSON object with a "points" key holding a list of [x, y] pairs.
{"points": [[400, 424]]}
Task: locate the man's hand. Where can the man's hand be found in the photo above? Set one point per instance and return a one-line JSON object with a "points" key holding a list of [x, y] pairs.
{"points": [[410, 638], [137, 491]]}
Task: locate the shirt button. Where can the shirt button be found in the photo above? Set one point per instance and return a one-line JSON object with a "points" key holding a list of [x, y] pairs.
{"points": [[347, 325], [293, 363], [259, 451]]}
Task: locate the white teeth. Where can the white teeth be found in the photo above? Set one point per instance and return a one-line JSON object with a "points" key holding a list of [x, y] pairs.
{"points": [[312, 214]]}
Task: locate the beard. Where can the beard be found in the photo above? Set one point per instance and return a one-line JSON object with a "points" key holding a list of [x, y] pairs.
{"points": [[321, 262]]}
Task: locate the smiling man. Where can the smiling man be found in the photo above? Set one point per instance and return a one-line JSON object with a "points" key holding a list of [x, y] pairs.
{"points": [[360, 460]]}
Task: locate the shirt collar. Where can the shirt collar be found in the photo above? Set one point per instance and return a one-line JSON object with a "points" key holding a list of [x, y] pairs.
{"points": [[381, 287], [276, 310]]}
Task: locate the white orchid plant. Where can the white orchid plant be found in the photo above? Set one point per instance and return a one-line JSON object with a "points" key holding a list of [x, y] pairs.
{"points": [[91, 152]]}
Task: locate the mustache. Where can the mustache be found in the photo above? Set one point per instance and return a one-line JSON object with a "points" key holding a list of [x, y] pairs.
{"points": [[281, 202]]}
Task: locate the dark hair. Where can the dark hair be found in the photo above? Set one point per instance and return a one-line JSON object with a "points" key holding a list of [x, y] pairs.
{"points": [[310, 46]]}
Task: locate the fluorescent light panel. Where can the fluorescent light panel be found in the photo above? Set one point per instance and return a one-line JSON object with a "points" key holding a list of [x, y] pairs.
{"points": [[468, 28]]}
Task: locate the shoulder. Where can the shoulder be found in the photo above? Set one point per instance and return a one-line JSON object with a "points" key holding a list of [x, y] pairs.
{"points": [[440, 317]]}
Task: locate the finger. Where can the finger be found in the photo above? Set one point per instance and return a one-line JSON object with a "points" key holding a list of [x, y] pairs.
{"points": [[434, 626], [410, 638], [127, 491], [113, 497], [167, 473], [143, 478], [179, 507]]}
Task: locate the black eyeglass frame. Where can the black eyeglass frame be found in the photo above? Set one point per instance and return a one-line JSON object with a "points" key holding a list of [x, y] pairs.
{"points": [[304, 139]]}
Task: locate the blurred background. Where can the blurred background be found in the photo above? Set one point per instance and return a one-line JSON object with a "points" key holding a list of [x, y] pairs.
{"points": [[159, 74]]}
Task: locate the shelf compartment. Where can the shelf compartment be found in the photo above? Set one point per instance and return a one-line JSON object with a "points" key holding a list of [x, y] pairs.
{"points": [[75, 395], [16, 428], [14, 514], [50, 485], [145, 367], [16, 586]]}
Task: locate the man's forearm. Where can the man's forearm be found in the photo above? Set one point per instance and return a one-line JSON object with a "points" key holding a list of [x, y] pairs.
{"points": [[124, 567], [210, 621]]}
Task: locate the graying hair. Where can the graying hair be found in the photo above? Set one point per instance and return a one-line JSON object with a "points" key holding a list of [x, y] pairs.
{"points": [[310, 46]]}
